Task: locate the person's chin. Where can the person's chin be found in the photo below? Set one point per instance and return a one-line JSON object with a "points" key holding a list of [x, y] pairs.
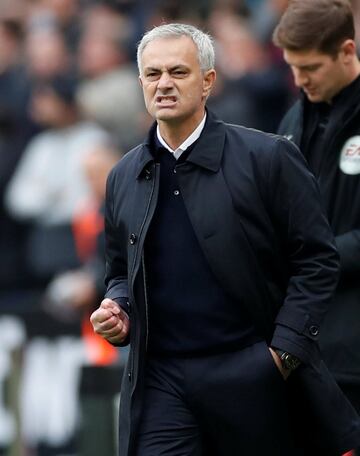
{"points": [[165, 114], [314, 97]]}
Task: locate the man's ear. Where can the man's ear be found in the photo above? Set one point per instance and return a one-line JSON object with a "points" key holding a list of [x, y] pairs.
{"points": [[208, 82], [348, 49], [140, 81]]}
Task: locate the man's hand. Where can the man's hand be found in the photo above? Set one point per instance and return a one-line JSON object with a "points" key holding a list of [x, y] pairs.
{"points": [[284, 372], [110, 322]]}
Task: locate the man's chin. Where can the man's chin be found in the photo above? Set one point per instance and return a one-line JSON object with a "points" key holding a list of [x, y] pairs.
{"points": [[165, 114], [315, 97]]}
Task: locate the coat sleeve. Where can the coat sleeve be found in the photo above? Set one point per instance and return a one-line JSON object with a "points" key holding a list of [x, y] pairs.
{"points": [[312, 258], [116, 279]]}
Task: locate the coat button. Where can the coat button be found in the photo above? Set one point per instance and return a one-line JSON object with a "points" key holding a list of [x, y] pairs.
{"points": [[314, 330], [132, 238], [129, 376], [148, 174]]}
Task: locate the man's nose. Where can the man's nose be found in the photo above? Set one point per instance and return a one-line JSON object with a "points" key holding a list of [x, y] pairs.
{"points": [[165, 81], [300, 78]]}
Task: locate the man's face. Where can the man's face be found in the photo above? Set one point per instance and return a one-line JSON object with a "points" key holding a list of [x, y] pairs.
{"points": [[321, 76], [175, 89]]}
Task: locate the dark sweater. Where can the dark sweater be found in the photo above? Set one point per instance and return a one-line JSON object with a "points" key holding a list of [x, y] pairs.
{"points": [[189, 312]]}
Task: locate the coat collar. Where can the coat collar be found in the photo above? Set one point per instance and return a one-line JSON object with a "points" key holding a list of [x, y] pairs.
{"points": [[207, 152]]}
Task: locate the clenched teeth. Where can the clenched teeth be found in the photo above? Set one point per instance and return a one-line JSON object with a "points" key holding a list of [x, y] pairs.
{"points": [[166, 98]]}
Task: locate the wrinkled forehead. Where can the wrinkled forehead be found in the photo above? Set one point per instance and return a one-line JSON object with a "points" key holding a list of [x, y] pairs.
{"points": [[172, 50]]}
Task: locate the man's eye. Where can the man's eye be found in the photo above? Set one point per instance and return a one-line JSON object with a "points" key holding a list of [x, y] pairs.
{"points": [[312, 68]]}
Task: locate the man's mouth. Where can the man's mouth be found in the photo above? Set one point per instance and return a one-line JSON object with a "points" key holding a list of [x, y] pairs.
{"points": [[165, 100]]}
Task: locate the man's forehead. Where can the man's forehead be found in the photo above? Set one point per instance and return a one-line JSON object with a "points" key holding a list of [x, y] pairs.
{"points": [[305, 58], [169, 51]]}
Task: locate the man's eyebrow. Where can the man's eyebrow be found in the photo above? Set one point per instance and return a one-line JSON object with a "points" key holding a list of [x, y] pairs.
{"points": [[149, 68], [306, 67], [172, 68], [178, 67]]}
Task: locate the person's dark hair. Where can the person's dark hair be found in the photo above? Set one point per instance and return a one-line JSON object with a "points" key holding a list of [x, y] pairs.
{"points": [[321, 25]]}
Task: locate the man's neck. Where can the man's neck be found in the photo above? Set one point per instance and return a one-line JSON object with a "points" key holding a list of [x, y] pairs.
{"points": [[175, 133]]}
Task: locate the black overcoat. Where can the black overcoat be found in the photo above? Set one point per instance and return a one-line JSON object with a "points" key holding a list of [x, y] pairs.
{"points": [[338, 174], [255, 210]]}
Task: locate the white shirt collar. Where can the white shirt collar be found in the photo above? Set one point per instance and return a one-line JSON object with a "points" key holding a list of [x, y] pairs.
{"points": [[188, 141]]}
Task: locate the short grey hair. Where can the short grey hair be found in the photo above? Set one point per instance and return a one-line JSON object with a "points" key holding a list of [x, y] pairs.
{"points": [[202, 40]]}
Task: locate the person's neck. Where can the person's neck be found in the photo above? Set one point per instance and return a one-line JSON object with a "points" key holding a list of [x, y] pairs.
{"points": [[175, 133]]}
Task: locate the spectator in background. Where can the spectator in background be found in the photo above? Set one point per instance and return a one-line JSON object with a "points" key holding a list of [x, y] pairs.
{"points": [[239, 8], [46, 52], [49, 183], [265, 17], [75, 293], [251, 91], [325, 123], [46, 56], [109, 91], [186, 11], [63, 14], [87, 227]]}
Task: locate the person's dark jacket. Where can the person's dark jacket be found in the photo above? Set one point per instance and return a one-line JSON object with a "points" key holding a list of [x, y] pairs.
{"points": [[255, 210], [338, 175]]}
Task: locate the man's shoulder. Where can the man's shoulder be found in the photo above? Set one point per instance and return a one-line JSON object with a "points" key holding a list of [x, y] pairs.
{"points": [[129, 160], [126, 169], [251, 139]]}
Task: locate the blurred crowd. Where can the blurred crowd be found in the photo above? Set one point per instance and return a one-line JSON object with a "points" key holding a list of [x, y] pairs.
{"points": [[71, 106]]}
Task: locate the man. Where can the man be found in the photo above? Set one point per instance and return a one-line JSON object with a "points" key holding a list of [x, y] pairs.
{"points": [[218, 254], [325, 123]]}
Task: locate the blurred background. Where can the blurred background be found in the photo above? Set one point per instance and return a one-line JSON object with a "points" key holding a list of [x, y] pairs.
{"points": [[70, 108]]}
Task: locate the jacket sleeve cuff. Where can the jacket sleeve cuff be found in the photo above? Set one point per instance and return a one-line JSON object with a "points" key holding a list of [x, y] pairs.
{"points": [[124, 304], [305, 349]]}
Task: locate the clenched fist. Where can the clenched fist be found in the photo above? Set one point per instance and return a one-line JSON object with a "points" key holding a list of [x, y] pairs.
{"points": [[111, 322]]}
